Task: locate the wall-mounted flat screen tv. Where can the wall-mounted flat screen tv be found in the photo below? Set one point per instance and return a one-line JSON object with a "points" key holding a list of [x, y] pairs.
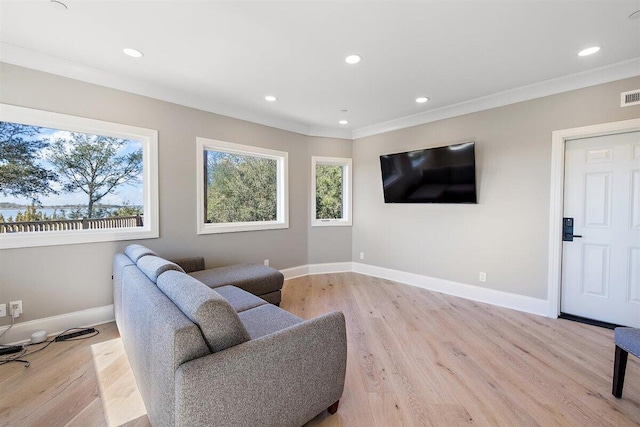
{"points": [[433, 175]]}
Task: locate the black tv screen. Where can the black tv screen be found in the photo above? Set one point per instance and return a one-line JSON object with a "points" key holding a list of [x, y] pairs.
{"points": [[433, 175]]}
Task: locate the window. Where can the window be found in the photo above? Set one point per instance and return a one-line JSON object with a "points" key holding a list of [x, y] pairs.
{"points": [[69, 180], [240, 188], [330, 191]]}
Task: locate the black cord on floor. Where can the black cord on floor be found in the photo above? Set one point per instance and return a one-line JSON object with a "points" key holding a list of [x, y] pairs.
{"points": [[24, 353]]}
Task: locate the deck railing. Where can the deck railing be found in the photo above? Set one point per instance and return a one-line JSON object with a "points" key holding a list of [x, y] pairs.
{"points": [[72, 224]]}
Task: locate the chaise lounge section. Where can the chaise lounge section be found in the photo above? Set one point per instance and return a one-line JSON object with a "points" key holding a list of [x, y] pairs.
{"points": [[261, 280]]}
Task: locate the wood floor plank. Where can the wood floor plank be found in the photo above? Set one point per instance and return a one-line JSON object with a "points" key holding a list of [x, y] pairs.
{"points": [[415, 358], [499, 366]]}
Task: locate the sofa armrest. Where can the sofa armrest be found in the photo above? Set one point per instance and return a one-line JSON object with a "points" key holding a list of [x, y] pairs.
{"points": [[282, 379], [190, 264]]}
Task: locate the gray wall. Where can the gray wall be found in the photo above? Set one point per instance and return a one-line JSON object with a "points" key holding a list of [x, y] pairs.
{"points": [[59, 279], [506, 233]]}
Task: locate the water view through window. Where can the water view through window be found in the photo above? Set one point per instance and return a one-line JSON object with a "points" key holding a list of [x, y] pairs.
{"points": [[54, 180]]}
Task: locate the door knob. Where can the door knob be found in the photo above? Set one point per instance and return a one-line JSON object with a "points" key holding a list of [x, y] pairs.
{"points": [[567, 230]]}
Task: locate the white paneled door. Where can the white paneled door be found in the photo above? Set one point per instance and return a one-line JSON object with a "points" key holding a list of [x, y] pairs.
{"points": [[601, 269]]}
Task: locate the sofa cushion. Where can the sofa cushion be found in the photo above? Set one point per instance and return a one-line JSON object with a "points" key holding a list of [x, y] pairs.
{"points": [[135, 252], [257, 279], [272, 297], [267, 319], [189, 264], [217, 320], [240, 300], [154, 266], [628, 339]]}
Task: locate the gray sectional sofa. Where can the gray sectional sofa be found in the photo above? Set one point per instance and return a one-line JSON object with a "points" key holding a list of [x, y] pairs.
{"points": [[223, 357]]}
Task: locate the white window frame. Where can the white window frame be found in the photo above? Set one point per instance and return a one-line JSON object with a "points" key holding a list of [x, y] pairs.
{"points": [[149, 140], [282, 159], [346, 191]]}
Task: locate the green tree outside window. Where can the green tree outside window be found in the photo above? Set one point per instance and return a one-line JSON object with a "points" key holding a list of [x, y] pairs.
{"points": [[240, 188], [329, 179]]}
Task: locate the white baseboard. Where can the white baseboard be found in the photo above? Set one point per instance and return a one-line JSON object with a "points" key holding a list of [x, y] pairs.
{"points": [[21, 331], [311, 269], [334, 267], [293, 272], [475, 293]]}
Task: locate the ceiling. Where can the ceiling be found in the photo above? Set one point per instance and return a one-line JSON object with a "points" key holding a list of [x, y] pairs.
{"points": [[226, 56]]}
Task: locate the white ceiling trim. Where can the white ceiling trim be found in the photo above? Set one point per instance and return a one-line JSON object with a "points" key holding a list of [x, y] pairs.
{"points": [[609, 73], [16, 55], [39, 61], [329, 132]]}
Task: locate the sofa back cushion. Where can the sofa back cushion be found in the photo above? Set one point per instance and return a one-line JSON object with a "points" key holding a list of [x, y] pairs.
{"points": [[135, 252], [158, 338], [153, 266], [218, 321]]}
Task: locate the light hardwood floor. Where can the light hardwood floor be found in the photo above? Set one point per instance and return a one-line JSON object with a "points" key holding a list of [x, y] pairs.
{"points": [[414, 358]]}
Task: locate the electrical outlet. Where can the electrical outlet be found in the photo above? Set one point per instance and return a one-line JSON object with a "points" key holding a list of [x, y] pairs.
{"points": [[3, 310], [15, 308], [361, 255], [266, 262], [483, 276]]}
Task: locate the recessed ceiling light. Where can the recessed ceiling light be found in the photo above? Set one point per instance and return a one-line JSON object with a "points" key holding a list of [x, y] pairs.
{"points": [[353, 59], [589, 51], [635, 15], [270, 98], [132, 52], [58, 5], [422, 100], [343, 122]]}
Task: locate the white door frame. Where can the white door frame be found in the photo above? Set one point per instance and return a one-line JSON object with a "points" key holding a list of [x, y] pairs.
{"points": [[558, 140]]}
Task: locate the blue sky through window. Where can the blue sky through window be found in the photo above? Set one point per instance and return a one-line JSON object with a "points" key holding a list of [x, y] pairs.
{"points": [[131, 193]]}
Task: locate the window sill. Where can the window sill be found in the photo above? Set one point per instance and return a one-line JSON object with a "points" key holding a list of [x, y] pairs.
{"points": [[240, 227], [55, 238], [331, 223]]}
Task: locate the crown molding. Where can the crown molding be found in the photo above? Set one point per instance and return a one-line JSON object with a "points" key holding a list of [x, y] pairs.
{"points": [[609, 73], [27, 58], [329, 132]]}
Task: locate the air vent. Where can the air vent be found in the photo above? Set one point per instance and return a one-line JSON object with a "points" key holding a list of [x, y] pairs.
{"points": [[630, 98]]}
